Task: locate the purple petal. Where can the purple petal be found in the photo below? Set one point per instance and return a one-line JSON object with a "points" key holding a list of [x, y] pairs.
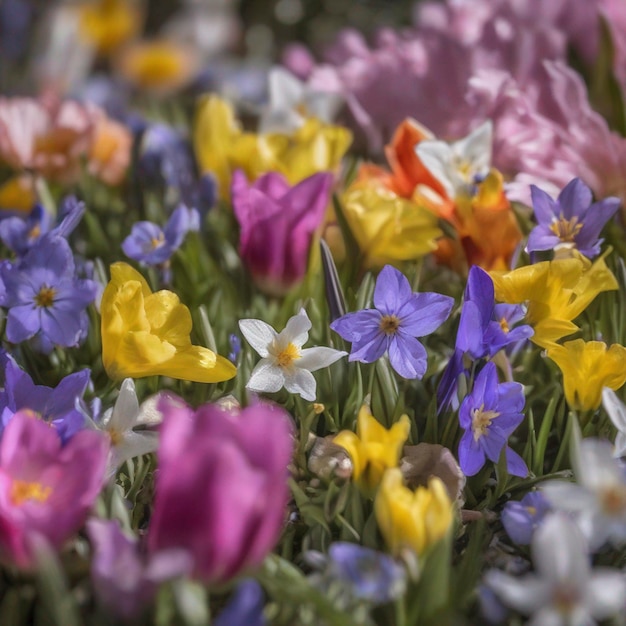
{"points": [[574, 199], [595, 219], [492, 442], [480, 290], [541, 238], [22, 323], [62, 398], [515, 464], [423, 313], [392, 290], [179, 224], [370, 347], [469, 337], [471, 455], [510, 397], [352, 326], [407, 356], [63, 328], [544, 206], [448, 385]]}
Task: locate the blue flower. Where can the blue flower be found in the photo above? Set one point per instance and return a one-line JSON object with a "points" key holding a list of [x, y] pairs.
{"points": [[44, 297], [392, 327], [489, 414], [521, 518], [245, 608], [150, 244]]}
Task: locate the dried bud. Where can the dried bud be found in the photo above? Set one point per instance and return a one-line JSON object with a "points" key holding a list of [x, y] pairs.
{"points": [[328, 460]]}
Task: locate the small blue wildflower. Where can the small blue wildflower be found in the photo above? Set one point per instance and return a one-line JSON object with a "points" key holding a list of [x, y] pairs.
{"points": [[392, 327], [521, 518], [245, 608], [235, 347]]}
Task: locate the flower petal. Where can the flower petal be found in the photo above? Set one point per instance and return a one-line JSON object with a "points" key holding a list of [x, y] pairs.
{"points": [[301, 381], [258, 334], [313, 359], [266, 377]]}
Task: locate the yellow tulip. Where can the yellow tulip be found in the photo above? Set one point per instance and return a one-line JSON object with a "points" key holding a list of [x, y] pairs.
{"points": [[556, 292], [373, 449], [146, 334], [587, 367], [388, 228], [413, 520]]}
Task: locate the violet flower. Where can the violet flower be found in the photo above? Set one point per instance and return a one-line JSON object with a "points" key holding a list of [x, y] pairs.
{"points": [[521, 518], [489, 414], [221, 490], [151, 245], [277, 225], [392, 327], [46, 489], [570, 221], [43, 295], [245, 608]]}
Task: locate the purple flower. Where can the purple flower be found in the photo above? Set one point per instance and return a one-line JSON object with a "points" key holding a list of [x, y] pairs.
{"points": [[392, 327], [489, 414], [245, 608], [55, 406], [43, 295], [570, 221], [150, 244], [125, 580], [521, 518]]}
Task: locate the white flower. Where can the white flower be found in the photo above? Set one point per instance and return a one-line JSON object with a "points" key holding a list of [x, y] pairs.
{"points": [[291, 102], [598, 501], [119, 422], [285, 363], [563, 590], [460, 165], [616, 410]]}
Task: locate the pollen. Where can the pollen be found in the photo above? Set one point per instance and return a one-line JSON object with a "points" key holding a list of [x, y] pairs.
{"points": [[22, 490], [116, 437], [566, 230], [157, 242], [481, 420], [288, 355], [389, 324], [504, 325], [45, 297]]}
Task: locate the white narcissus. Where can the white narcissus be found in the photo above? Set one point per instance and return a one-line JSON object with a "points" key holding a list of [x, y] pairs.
{"points": [[284, 362], [460, 165], [616, 410]]}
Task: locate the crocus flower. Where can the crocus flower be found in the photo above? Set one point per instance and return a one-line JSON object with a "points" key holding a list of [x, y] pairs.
{"points": [[489, 414], [616, 411], [571, 221], [373, 449], [44, 296], [147, 334], [277, 225], [221, 490], [151, 245], [284, 362], [564, 589], [555, 293], [587, 367], [522, 518], [46, 489], [411, 520], [245, 607], [392, 327], [598, 498], [125, 580]]}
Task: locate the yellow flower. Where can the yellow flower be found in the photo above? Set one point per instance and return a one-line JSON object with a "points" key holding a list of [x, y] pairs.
{"points": [[413, 520], [18, 194], [314, 147], [107, 24], [588, 367], [145, 333], [387, 227], [373, 449], [556, 292]]}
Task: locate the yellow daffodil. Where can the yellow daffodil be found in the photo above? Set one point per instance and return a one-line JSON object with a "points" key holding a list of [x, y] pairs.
{"points": [[145, 333], [107, 24], [556, 292], [18, 194], [413, 520], [387, 227], [587, 367], [373, 449]]}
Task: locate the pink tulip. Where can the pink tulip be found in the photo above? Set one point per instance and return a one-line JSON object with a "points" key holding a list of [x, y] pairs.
{"points": [[221, 488], [277, 226], [46, 489]]}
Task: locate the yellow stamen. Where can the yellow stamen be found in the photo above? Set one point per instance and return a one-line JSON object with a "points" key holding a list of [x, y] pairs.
{"points": [[22, 490], [157, 242], [288, 355], [45, 297], [116, 437], [389, 324], [481, 420], [504, 325], [532, 510], [613, 500], [566, 230]]}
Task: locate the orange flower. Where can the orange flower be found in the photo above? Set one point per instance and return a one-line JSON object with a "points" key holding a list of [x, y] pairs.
{"points": [[109, 154]]}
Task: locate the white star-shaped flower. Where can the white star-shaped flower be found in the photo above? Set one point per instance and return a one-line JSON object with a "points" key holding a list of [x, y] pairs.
{"points": [[459, 166], [284, 362]]}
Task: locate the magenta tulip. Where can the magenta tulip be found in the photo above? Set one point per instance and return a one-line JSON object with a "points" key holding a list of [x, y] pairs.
{"points": [[221, 487], [277, 225], [46, 489]]}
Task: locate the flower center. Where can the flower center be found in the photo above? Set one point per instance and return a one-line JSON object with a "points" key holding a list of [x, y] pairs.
{"points": [[45, 297], [481, 420], [504, 325], [566, 230], [288, 355], [389, 324], [613, 500], [157, 242], [22, 490], [566, 597], [116, 437], [34, 232]]}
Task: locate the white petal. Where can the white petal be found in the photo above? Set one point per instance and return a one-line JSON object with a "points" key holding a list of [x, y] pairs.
{"points": [[476, 148], [620, 445], [126, 408], [559, 551], [568, 496], [323, 105], [302, 382], [615, 408], [296, 331], [266, 377], [525, 595], [595, 466], [135, 444], [313, 359], [285, 90], [606, 592], [149, 414], [437, 158], [549, 616], [258, 334]]}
